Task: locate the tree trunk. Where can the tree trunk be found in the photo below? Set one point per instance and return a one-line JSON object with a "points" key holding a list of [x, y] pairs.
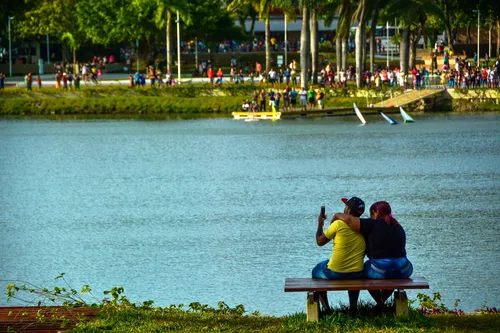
{"points": [[252, 26], [345, 53], [447, 25], [404, 49], [304, 46], [467, 35], [74, 58], [241, 20], [413, 51], [373, 44], [360, 43], [498, 37], [168, 32], [373, 28], [363, 62], [338, 52], [268, 44], [314, 45]]}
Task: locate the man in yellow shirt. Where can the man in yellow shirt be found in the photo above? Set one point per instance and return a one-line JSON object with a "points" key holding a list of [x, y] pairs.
{"points": [[346, 261]]}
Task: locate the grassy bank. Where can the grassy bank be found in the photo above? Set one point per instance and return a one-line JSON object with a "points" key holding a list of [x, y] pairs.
{"points": [[191, 100], [116, 313], [163, 320]]}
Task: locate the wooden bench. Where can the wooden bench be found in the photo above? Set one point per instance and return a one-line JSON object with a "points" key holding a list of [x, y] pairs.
{"points": [[314, 287]]}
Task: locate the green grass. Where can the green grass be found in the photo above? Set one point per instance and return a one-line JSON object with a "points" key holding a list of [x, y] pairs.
{"points": [[187, 101], [210, 320]]}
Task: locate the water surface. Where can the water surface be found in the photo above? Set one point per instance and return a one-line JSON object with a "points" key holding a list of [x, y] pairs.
{"points": [[217, 209]]}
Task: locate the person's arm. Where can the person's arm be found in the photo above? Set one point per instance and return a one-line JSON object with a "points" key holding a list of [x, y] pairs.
{"points": [[321, 239], [353, 222]]}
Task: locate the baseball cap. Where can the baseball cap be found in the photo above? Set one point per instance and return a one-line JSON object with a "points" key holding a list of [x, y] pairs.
{"points": [[355, 204]]}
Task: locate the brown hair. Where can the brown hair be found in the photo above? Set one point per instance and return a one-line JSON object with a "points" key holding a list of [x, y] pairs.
{"points": [[384, 212]]}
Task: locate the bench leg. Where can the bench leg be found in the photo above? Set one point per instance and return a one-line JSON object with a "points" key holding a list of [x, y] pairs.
{"points": [[312, 307], [401, 302]]}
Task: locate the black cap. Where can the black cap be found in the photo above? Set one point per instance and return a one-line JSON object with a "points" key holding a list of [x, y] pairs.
{"points": [[356, 205]]}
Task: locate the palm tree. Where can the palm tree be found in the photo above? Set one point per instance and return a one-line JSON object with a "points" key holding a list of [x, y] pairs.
{"points": [[263, 7], [373, 29], [163, 17], [304, 44], [343, 32], [360, 15]]}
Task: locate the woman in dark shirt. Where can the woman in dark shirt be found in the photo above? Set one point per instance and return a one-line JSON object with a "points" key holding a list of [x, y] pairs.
{"points": [[385, 246]]}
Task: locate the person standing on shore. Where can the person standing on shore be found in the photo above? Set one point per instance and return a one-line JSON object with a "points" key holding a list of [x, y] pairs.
{"points": [[2, 81], [262, 106], [26, 82], [39, 81], [303, 99], [210, 74], [77, 82]]}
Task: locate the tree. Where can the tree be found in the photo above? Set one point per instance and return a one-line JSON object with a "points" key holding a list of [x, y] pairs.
{"points": [[164, 10], [304, 44], [115, 21], [56, 18], [360, 15]]}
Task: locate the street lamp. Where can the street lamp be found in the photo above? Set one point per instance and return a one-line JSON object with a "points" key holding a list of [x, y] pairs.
{"points": [[478, 34], [178, 49], [286, 43], [10, 47]]}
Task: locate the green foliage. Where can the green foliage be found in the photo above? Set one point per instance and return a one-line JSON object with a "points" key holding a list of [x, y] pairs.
{"points": [[119, 314]]}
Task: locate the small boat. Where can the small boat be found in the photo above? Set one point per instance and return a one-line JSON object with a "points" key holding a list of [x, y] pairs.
{"points": [[255, 116], [390, 120], [358, 113], [406, 116]]}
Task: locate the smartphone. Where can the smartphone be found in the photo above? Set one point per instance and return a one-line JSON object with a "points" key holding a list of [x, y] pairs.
{"points": [[323, 211]]}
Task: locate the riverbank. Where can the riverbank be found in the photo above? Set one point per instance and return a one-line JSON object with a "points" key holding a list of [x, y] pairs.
{"points": [[185, 100], [205, 100]]}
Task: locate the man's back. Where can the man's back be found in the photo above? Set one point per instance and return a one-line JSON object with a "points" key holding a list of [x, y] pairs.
{"points": [[348, 250]]}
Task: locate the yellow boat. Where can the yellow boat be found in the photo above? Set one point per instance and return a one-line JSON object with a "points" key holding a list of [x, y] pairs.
{"points": [[253, 116]]}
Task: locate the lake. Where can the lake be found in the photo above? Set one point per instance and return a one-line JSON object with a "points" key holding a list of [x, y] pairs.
{"points": [[215, 210]]}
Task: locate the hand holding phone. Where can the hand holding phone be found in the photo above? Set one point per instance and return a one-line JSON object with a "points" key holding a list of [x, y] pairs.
{"points": [[323, 214]]}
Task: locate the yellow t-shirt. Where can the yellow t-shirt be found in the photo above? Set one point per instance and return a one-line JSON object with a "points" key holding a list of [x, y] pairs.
{"points": [[348, 248]]}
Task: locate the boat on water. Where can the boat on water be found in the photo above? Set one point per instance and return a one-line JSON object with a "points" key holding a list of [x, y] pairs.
{"points": [[256, 116], [389, 119], [406, 116], [359, 114]]}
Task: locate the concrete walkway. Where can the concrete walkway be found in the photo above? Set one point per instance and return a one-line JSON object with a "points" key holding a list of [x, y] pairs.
{"points": [[112, 79], [408, 97]]}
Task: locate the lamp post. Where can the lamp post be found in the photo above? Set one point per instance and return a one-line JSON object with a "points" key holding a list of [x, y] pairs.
{"points": [[387, 43], [10, 47], [178, 49], [286, 44], [48, 50], [478, 34]]}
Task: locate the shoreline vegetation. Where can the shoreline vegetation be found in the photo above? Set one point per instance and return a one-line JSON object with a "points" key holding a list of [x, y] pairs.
{"points": [[62, 307], [182, 101]]}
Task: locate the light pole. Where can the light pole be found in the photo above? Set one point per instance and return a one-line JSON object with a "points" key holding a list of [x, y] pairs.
{"points": [[286, 44], [178, 49], [478, 34], [48, 50], [10, 47], [387, 44]]}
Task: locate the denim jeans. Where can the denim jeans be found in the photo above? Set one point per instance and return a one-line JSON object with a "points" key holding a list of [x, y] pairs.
{"points": [[390, 268], [321, 271]]}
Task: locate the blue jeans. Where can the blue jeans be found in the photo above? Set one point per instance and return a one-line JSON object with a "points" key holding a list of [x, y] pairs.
{"points": [[321, 271], [390, 268]]}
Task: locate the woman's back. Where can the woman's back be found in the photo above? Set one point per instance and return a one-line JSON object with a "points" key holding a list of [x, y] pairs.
{"points": [[383, 240]]}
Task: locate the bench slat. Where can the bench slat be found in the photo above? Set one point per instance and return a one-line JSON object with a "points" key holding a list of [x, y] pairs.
{"points": [[310, 284]]}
